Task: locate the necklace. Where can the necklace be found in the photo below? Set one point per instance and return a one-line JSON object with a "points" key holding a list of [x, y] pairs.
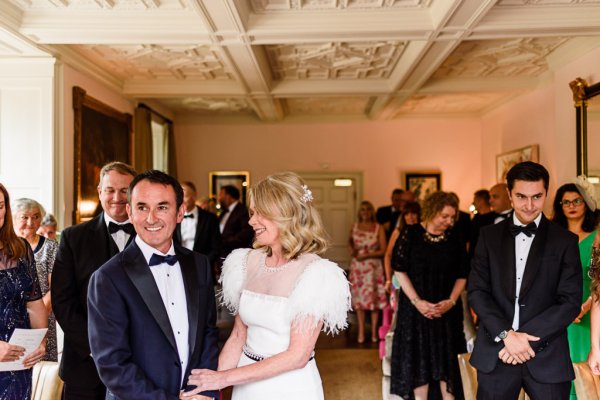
{"points": [[431, 238], [266, 268]]}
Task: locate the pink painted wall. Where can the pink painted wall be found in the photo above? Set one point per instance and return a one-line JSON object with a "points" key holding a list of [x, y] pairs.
{"points": [[382, 151], [71, 78], [545, 117]]}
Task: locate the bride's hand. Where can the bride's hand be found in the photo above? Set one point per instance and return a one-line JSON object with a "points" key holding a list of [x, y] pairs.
{"points": [[204, 379]]}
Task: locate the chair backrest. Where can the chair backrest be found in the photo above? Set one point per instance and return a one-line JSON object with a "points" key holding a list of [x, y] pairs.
{"points": [[47, 385], [468, 376], [587, 385]]}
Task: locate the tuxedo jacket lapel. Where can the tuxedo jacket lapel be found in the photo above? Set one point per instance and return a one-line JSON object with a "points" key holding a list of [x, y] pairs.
{"points": [[534, 259], [507, 262], [103, 241], [137, 269], [200, 228], [190, 282]]}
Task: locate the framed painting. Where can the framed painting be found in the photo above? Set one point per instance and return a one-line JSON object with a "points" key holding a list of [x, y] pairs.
{"points": [[102, 135], [239, 179], [505, 161], [423, 183]]}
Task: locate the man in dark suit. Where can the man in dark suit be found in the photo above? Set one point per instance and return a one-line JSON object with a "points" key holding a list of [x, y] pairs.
{"points": [[83, 249], [485, 216], [387, 216], [525, 286], [199, 230], [236, 233], [152, 307]]}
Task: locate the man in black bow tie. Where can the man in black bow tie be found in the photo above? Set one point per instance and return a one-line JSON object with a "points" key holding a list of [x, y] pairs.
{"points": [[525, 286], [83, 249], [152, 307]]}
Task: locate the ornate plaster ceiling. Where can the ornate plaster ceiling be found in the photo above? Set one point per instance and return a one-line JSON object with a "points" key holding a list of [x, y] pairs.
{"points": [[274, 59]]}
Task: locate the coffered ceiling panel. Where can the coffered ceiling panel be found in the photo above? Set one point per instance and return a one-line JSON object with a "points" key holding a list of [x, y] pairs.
{"points": [[278, 5], [500, 58], [370, 60], [150, 61], [327, 106], [270, 59]]}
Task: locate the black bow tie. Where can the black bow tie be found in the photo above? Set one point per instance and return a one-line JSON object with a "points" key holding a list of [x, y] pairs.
{"points": [[127, 228], [157, 259], [188, 216], [529, 230]]}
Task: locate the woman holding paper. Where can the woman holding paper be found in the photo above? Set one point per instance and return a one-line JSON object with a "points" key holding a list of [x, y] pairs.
{"points": [[21, 306]]}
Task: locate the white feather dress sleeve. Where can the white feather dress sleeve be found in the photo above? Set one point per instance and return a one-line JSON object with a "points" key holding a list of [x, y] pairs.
{"points": [[322, 293], [233, 275]]}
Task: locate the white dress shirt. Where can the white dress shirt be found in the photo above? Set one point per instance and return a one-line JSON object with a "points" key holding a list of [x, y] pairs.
{"points": [[188, 229], [226, 216], [120, 237], [169, 280], [522, 247], [502, 216]]}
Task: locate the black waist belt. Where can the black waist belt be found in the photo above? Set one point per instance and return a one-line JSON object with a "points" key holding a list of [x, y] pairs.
{"points": [[255, 357]]}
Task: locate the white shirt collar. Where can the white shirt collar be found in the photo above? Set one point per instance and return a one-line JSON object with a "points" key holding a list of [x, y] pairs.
{"points": [[194, 212], [148, 250], [519, 223], [108, 220]]}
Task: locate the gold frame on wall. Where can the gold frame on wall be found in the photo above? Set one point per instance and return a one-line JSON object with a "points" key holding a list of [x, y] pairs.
{"points": [[218, 179], [423, 183], [505, 161], [102, 134]]}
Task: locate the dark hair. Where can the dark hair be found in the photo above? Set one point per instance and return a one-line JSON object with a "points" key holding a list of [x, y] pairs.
{"points": [[14, 247], [117, 166], [411, 207], [589, 218], [232, 191], [527, 171], [155, 176], [190, 185], [483, 194], [397, 191]]}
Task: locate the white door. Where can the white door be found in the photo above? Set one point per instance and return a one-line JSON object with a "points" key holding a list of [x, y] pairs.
{"points": [[337, 206]]}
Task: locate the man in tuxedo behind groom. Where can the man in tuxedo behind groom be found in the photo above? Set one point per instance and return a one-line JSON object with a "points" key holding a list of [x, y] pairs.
{"points": [[152, 307]]}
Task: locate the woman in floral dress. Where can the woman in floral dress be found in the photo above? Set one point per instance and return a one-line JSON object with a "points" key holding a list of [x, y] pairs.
{"points": [[367, 243]]}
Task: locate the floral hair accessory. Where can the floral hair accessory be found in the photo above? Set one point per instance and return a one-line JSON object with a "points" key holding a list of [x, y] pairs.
{"points": [[307, 197], [587, 191]]}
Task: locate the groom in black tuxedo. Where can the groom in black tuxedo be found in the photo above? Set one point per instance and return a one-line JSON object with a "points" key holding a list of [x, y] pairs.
{"points": [[525, 286], [152, 307]]}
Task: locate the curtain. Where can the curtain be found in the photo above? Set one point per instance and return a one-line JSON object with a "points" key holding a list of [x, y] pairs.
{"points": [[142, 139], [171, 155]]}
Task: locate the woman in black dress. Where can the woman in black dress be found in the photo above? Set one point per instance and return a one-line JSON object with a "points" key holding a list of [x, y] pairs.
{"points": [[432, 265]]}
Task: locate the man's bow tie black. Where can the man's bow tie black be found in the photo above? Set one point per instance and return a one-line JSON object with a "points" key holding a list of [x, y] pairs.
{"points": [[127, 228], [157, 259], [529, 230], [188, 215]]}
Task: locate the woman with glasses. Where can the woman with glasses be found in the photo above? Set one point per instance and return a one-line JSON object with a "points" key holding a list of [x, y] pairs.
{"points": [[574, 209]]}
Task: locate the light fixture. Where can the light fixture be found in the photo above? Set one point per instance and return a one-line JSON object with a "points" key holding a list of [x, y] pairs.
{"points": [[342, 182]]}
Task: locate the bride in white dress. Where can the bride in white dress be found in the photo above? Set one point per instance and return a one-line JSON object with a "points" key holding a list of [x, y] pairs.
{"points": [[282, 294]]}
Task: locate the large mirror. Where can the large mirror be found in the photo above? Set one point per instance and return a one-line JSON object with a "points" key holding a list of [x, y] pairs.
{"points": [[587, 108]]}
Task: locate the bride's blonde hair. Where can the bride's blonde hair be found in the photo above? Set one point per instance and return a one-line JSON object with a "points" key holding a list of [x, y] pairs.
{"points": [[285, 199]]}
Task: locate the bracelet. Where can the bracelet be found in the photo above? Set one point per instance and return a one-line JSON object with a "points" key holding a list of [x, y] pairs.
{"points": [[415, 300], [453, 302]]}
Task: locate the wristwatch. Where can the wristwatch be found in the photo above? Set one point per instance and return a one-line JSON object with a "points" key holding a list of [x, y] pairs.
{"points": [[502, 335]]}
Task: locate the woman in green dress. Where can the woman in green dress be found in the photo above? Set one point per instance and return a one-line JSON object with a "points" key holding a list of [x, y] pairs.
{"points": [[575, 209]]}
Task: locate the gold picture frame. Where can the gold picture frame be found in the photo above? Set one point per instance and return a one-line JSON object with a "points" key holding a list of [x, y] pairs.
{"points": [[239, 179], [422, 184], [505, 161]]}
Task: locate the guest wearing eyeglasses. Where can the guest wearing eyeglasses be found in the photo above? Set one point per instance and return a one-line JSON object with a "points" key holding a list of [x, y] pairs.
{"points": [[574, 209]]}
